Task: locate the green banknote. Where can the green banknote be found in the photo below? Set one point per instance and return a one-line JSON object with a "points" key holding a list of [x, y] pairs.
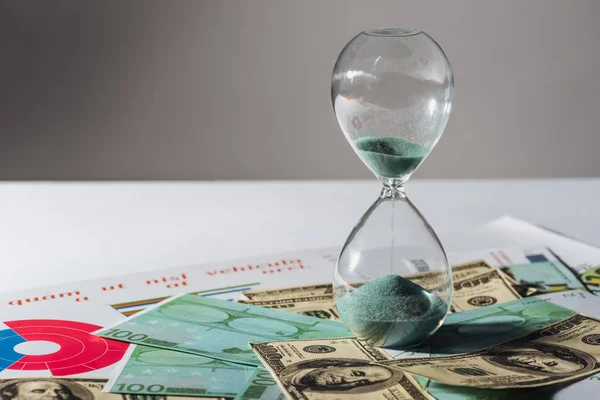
{"points": [[546, 277], [260, 386], [150, 370], [217, 328], [479, 328]]}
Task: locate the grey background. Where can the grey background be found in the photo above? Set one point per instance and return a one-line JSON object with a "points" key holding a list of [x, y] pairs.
{"points": [[222, 89]]}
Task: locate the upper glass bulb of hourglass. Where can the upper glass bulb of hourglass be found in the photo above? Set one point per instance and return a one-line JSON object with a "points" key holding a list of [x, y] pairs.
{"points": [[392, 91]]}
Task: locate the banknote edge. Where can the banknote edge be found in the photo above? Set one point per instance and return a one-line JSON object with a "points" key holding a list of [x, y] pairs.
{"points": [[138, 314], [118, 369]]}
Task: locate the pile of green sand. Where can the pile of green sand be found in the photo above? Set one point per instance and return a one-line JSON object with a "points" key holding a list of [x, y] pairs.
{"points": [[392, 312], [390, 157]]}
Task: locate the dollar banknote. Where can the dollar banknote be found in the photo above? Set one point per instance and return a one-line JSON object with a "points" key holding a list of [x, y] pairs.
{"points": [[335, 369], [470, 269], [217, 329], [320, 306], [506, 287], [564, 351], [33, 388], [482, 290], [459, 271], [473, 268], [150, 370], [290, 291], [314, 300], [318, 301]]}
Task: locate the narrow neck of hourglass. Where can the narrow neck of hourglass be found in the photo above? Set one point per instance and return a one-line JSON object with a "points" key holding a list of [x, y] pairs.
{"points": [[392, 189]]}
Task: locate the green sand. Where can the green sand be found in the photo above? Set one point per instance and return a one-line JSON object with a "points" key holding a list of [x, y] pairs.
{"points": [[392, 312], [390, 157]]}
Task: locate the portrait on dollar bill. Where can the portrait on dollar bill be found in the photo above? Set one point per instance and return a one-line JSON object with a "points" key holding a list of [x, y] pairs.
{"points": [[348, 376], [43, 389], [541, 359]]}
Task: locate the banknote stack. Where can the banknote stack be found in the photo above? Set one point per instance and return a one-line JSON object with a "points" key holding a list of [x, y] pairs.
{"points": [[191, 345], [507, 329], [523, 322], [471, 280]]}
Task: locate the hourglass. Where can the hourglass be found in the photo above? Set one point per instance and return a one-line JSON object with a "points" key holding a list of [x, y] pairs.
{"points": [[392, 91]]}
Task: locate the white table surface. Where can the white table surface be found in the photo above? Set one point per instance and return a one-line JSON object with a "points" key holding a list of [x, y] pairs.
{"points": [[54, 233]]}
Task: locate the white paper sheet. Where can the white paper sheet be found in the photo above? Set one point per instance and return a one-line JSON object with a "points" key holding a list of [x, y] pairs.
{"points": [[579, 256], [224, 280]]}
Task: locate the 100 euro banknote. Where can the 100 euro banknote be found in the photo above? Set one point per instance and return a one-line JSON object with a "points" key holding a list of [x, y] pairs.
{"points": [[153, 371], [216, 328]]}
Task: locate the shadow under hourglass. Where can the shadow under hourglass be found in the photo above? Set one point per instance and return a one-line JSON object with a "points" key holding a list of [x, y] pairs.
{"points": [[453, 339]]}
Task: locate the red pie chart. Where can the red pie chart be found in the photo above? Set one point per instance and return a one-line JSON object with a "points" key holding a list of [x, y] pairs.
{"points": [[59, 346]]}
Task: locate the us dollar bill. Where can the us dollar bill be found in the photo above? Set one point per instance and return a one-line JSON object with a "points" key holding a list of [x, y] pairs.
{"points": [[290, 291], [72, 389], [561, 352], [318, 301], [432, 279], [476, 284], [320, 306], [323, 369], [482, 290], [466, 270]]}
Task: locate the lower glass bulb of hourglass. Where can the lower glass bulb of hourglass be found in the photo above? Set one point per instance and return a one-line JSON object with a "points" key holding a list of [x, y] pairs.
{"points": [[393, 283]]}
